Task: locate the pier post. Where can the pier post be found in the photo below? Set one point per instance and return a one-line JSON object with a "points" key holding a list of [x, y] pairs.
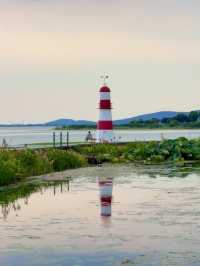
{"points": [[67, 139], [61, 139], [54, 139]]}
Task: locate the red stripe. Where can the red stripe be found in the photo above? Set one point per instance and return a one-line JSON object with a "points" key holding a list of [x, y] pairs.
{"points": [[105, 183], [105, 104], [104, 89], [105, 125], [106, 200]]}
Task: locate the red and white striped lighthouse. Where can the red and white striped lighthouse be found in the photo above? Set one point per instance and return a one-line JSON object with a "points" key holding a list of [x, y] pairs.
{"points": [[105, 124]]}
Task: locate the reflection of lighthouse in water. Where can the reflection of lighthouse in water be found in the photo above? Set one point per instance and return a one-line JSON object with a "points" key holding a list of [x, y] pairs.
{"points": [[106, 187]]}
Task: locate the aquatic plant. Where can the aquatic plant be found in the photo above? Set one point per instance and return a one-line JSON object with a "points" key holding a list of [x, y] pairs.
{"points": [[177, 150]]}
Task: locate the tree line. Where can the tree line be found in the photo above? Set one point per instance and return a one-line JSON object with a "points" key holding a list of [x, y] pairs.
{"points": [[181, 120]]}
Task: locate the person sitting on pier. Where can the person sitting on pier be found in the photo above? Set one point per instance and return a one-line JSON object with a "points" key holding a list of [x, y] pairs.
{"points": [[89, 137], [4, 143]]}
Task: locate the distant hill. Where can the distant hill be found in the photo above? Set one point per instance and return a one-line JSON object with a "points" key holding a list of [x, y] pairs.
{"points": [[69, 122], [145, 117], [72, 122]]}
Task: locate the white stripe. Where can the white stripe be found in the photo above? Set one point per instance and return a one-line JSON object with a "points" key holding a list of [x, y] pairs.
{"points": [[105, 115], [106, 210], [106, 190], [104, 95]]}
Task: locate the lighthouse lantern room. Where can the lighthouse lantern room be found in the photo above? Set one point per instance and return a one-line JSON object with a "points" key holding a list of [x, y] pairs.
{"points": [[105, 124]]}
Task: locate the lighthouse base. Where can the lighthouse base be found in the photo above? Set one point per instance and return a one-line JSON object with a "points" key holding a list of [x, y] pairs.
{"points": [[104, 136]]}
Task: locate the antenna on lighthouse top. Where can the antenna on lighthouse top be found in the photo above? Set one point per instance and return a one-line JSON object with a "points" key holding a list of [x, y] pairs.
{"points": [[104, 77]]}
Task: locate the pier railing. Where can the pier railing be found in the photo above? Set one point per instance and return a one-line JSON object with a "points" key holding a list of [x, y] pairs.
{"points": [[59, 140]]}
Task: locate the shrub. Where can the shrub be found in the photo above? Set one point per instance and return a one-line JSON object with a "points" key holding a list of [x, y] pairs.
{"points": [[8, 172], [34, 163], [62, 160], [15, 165]]}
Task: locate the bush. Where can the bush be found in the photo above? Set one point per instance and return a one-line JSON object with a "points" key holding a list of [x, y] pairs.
{"points": [[34, 163], [15, 165], [62, 160], [8, 172]]}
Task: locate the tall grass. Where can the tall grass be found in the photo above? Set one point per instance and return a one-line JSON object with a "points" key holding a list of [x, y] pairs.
{"points": [[16, 165], [62, 160]]}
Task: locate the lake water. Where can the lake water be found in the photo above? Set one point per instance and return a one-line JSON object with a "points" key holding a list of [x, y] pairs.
{"points": [[17, 136], [155, 221]]}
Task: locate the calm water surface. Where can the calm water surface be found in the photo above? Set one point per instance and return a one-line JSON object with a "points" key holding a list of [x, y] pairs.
{"points": [[16, 136], [155, 221]]}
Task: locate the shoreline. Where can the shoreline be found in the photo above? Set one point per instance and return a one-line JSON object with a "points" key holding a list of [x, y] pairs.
{"points": [[115, 170], [58, 164], [129, 129], [62, 175], [51, 128]]}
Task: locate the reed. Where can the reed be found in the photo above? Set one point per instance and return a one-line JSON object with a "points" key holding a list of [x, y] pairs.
{"points": [[16, 165]]}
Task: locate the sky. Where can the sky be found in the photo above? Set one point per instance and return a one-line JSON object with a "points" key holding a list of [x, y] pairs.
{"points": [[53, 52]]}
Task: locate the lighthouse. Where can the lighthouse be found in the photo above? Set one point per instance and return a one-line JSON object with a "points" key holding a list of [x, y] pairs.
{"points": [[105, 124]]}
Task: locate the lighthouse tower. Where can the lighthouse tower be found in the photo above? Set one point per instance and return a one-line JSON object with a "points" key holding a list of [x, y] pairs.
{"points": [[105, 124]]}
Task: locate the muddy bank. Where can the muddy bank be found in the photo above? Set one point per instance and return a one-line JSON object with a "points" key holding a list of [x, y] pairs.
{"points": [[116, 170]]}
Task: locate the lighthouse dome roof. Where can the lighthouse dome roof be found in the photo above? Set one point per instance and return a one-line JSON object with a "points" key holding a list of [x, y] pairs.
{"points": [[104, 89]]}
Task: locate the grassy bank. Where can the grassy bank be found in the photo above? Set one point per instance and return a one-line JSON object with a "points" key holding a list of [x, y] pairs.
{"points": [[16, 165]]}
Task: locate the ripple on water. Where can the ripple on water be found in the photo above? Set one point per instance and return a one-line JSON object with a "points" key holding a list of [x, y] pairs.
{"points": [[155, 221]]}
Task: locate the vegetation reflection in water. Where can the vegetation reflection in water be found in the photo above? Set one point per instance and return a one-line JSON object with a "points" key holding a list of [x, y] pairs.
{"points": [[151, 212], [10, 197]]}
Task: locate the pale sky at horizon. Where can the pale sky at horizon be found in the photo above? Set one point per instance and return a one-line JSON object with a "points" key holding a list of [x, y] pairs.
{"points": [[52, 54]]}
